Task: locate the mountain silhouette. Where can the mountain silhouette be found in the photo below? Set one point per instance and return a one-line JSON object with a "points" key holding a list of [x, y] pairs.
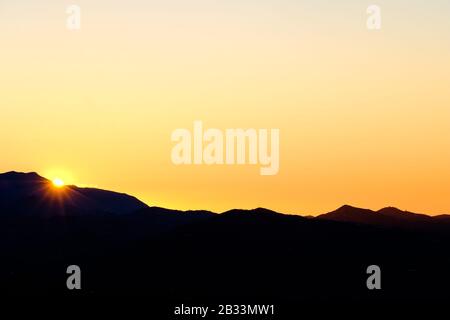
{"points": [[31, 194], [125, 247], [386, 217]]}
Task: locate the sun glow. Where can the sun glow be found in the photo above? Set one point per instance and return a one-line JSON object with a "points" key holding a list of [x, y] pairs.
{"points": [[58, 183]]}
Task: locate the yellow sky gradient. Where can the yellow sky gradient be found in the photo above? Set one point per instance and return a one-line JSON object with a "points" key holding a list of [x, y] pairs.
{"points": [[364, 117]]}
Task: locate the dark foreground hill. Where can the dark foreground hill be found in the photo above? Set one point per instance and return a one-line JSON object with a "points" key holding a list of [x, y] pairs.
{"points": [[240, 256]]}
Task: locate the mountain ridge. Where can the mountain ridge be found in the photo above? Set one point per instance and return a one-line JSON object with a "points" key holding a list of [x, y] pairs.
{"points": [[199, 255], [30, 193], [33, 193]]}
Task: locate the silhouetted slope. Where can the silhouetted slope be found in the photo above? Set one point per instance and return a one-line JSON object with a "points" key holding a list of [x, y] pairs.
{"points": [[443, 218], [404, 216], [247, 255], [252, 212], [156, 220], [348, 213], [109, 201], [31, 194], [386, 217], [244, 256]]}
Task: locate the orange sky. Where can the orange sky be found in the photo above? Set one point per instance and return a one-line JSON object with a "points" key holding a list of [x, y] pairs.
{"points": [[364, 116]]}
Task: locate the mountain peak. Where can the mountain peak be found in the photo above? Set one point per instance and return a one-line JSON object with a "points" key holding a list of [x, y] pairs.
{"points": [[347, 207], [391, 210], [256, 211], [29, 193], [388, 217], [15, 175]]}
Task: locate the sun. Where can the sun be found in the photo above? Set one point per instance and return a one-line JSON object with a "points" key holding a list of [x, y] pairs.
{"points": [[57, 182]]}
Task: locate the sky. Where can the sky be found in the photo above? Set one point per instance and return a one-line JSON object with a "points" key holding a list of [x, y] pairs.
{"points": [[364, 115]]}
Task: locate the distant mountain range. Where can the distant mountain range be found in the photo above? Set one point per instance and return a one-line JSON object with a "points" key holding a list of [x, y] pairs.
{"points": [[31, 194], [386, 217], [125, 247]]}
